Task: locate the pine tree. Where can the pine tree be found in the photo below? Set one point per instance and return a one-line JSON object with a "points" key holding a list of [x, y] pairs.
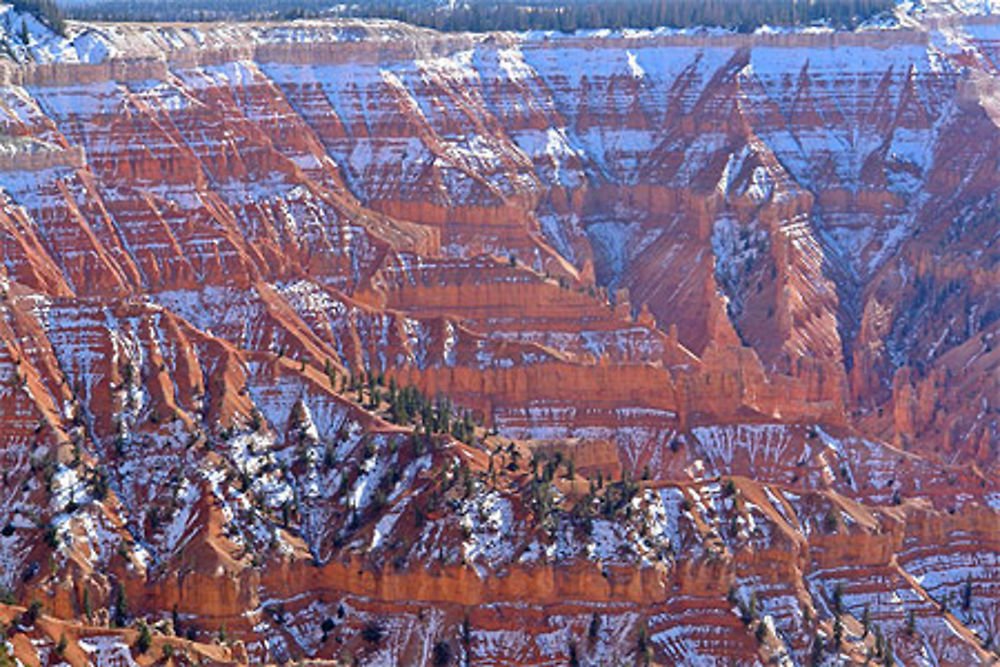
{"points": [[838, 598], [967, 593], [144, 640], [120, 615], [642, 644]]}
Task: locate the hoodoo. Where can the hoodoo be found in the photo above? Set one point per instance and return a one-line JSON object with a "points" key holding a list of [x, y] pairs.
{"points": [[348, 340]]}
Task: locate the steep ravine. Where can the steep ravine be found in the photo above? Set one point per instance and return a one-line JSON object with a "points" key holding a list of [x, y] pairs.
{"points": [[355, 341]]}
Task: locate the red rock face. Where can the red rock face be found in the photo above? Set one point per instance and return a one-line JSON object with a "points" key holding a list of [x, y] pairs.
{"points": [[735, 295]]}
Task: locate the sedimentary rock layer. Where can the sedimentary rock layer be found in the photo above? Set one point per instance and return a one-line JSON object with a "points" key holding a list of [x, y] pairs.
{"points": [[735, 295]]}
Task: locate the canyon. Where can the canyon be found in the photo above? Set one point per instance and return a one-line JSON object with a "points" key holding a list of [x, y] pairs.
{"points": [[351, 341]]}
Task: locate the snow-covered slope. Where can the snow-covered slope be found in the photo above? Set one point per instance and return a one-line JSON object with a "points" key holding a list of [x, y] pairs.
{"points": [[679, 342]]}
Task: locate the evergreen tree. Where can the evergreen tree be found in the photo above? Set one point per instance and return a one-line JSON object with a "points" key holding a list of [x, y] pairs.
{"points": [[120, 615], [478, 16], [144, 640], [595, 626]]}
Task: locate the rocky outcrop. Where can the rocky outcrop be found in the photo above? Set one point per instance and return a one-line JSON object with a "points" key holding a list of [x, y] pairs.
{"points": [[354, 340]]}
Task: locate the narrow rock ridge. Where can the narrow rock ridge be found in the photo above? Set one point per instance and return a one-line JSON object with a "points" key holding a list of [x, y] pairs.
{"points": [[736, 295]]}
